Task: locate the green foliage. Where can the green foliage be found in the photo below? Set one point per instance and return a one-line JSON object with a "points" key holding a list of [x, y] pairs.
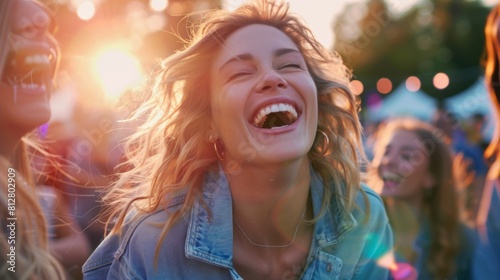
{"points": [[432, 37]]}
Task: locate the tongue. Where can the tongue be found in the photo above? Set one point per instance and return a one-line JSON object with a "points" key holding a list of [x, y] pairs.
{"points": [[276, 120]]}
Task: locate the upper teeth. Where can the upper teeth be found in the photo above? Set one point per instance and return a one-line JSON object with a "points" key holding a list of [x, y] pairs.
{"points": [[392, 177], [32, 86], [273, 108], [37, 58]]}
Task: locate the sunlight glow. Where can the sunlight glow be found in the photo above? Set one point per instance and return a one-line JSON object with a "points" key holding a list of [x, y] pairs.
{"points": [[117, 71]]}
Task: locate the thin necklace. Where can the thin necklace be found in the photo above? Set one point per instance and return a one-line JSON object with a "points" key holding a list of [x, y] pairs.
{"points": [[273, 246]]}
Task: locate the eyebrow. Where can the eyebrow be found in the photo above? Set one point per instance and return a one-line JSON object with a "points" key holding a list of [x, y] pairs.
{"points": [[408, 148], [283, 51], [404, 147], [248, 56]]}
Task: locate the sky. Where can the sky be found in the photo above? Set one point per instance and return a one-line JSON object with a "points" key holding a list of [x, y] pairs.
{"points": [[320, 14]]}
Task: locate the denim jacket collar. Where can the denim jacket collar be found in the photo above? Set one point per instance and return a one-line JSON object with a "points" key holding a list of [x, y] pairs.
{"points": [[204, 241]]}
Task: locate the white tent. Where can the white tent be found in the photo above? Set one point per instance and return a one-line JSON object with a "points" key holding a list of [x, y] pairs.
{"points": [[403, 103], [473, 100]]}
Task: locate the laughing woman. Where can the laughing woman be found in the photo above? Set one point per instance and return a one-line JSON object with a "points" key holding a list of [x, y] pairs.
{"points": [[28, 58], [247, 166], [412, 166]]}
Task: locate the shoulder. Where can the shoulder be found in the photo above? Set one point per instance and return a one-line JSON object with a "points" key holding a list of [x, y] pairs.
{"points": [[372, 196], [139, 235], [368, 214], [369, 240], [369, 201], [371, 218]]}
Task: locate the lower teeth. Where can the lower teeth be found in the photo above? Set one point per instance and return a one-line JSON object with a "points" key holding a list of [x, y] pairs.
{"points": [[32, 86]]}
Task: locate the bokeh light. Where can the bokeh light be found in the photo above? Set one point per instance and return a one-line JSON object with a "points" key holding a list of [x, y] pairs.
{"points": [[158, 5], [441, 81], [384, 85], [86, 10], [413, 83], [358, 87], [117, 71]]}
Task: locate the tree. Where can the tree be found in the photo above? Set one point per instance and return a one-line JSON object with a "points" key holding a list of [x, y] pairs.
{"points": [[433, 36]]}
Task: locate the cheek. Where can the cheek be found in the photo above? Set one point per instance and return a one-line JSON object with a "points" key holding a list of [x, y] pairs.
{"points": [[312, 92], [226, 112], [217, 102], [417, 175]]}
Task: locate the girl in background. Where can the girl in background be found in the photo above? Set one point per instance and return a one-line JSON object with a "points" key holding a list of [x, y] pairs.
{"points": [[413, 170]]}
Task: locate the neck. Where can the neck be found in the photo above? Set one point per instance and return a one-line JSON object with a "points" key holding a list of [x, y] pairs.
{"points": [[270, 200]]}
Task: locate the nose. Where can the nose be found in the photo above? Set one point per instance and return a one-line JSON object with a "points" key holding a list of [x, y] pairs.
{"points": [[271, 80]]}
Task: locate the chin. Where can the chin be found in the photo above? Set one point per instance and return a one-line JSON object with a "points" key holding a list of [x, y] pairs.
{"points": [[281, 155]]}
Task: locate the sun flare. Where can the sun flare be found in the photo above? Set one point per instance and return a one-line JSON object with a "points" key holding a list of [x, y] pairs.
{"points": [[117, 71]]}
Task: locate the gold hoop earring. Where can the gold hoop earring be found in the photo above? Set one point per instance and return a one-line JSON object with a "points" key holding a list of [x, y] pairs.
{"points": [[322, 150], [326, 137], [220, 154]]}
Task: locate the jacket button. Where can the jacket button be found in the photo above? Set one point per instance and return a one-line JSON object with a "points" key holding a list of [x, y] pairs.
{"points": [[329, 267]]}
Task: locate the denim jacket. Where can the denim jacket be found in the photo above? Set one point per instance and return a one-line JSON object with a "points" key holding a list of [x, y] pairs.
{"points": [[201, 245], [486, 264]]}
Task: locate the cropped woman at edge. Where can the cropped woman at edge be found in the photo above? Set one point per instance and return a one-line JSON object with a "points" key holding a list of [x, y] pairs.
{"points": [[487, 256], [24, 105]]}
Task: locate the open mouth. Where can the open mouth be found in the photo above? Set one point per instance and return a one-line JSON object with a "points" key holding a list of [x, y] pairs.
{"points": [[29, 68], [275, 116], [391, 180]]}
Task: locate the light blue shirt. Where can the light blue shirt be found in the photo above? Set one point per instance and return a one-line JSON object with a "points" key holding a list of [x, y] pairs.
{"points": [[486, 264], [201, 245]]}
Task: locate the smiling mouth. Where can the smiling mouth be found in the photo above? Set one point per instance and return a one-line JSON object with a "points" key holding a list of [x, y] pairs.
{"points": [[391, 181], [275, 116], [29, 69]]}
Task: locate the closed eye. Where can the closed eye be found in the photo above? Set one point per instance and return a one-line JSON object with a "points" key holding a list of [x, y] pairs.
{"points": [[237, 75], [291, 65]]}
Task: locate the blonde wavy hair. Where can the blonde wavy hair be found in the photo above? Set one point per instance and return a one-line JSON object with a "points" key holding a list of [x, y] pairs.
{"points": [[440, 205], [33, 259], [170, 152]]}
